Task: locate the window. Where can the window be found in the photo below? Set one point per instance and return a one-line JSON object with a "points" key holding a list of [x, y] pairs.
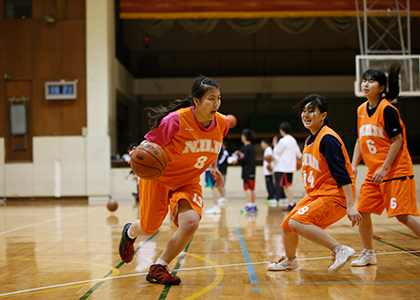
{"points": [[18, 9]]}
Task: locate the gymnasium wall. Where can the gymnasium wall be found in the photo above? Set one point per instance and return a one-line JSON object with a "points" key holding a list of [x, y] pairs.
{"points": [[34, 52], [122, 188], [70, 139]]}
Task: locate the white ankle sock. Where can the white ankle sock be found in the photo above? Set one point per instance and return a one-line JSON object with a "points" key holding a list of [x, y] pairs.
{"points": [[161, 262], [129, 235]]}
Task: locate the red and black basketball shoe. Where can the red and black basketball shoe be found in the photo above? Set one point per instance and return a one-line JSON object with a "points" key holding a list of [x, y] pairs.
{"points": [[126, 245], [160, 274]]}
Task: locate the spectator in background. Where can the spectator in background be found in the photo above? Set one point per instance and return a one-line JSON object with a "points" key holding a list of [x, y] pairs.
{"points": [[268, 171], [210, 182], [246, 158], [223, 164], [279, 191], [286, 152]]}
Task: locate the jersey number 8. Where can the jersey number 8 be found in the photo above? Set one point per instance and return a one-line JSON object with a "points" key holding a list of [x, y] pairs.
{"points": [[200, 162]]}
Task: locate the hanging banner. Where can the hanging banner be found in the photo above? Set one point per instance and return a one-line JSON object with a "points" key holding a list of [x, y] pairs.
{"points": [[244, 9]]}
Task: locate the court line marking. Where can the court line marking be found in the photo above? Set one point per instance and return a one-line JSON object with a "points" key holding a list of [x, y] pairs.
{"points": [[96, 286], [50, 220], [207, 267], [379, 239], [166, 289], [113, 272], [251, 271], [219, 277], [393, 230]]}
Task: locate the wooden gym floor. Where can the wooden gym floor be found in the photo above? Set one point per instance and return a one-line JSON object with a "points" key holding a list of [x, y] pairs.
{"points": [[69, 250]]}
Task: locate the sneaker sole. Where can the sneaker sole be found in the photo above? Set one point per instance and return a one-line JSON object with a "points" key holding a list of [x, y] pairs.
{"points": [[368, 264], [157, 281], [342, 265], [279, 270]]}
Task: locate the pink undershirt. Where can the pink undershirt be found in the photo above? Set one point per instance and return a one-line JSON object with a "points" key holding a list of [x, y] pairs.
{"points": [[169, 126]]}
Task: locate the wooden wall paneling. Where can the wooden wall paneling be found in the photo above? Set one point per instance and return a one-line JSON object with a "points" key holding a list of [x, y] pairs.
{"points": [[47, 50], [73, 49], [19, 88], [47, 121], [18, 48], [76, 9], [41, 8], [74, 114]]}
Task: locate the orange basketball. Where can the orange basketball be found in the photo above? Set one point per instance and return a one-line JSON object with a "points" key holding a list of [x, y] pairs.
{"points": [[112, 205], [232, 121], [148, 160]]}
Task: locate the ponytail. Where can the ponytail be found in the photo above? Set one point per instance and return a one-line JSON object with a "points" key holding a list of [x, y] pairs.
{"points": [[393, 82], [156, 114]]}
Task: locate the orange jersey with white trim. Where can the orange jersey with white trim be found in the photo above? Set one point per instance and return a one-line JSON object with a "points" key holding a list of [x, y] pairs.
{"points": [[192, 150], [375, 143], [316, 175]]}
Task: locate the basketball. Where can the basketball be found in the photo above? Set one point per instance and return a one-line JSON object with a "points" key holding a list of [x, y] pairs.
{"points": [[112, 205], [148, 160], [232, 120]]}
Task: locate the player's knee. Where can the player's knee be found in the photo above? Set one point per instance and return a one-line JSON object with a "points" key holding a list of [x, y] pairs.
{"points": [[294, 225], [190, 226]]}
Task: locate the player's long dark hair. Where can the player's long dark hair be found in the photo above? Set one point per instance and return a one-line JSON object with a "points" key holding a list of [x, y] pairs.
{"points": [[201, 85], [392, 81], [316, 101]]}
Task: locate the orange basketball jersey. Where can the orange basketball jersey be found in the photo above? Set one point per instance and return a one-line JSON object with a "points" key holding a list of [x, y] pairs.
{"points": [[192, 150], [375, 143], [316, 176]]}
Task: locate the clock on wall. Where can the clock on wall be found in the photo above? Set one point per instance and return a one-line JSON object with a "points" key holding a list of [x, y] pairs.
{"points": [[60, 90]]}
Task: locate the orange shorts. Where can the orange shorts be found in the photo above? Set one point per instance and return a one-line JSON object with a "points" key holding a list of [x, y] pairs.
{"points": [[322, 212], [156, 199], [398, 197]]}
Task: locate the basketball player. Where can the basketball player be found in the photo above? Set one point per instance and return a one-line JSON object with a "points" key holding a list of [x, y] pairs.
{"points": [[191, 132], [286, 153], [246, 158], [268, 171], [389, 182], [330, 186]]}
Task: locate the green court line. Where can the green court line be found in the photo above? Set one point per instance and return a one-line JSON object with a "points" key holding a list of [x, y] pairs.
{"points": [[96, 286], [383, 242], [174, 272], [390, 229]]}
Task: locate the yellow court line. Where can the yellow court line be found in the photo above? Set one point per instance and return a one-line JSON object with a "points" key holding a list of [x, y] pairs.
{"points": [[115, 272], [219, 276]]}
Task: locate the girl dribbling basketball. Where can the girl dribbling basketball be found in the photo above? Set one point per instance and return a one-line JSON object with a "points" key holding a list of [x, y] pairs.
{"points": [[191, 132]]}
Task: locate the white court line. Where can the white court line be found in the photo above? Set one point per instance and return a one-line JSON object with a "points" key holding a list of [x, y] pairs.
{"points": [[180, 270], [47, 221]]}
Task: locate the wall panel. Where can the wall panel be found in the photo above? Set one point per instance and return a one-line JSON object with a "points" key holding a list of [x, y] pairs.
{"points": [[73, 113], [73, 49], [47, 120], [47, 50], [18, 48]]}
